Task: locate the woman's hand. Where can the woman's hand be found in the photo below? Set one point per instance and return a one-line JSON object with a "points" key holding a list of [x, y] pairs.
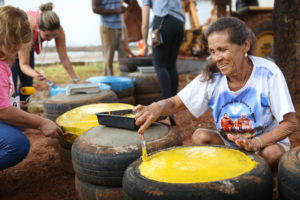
{"points": [[146, 115], [40, 76], [49, 128], [244, 143]]}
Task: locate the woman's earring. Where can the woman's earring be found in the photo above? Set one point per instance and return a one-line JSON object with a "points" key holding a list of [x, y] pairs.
{"points": [[246, 54]]}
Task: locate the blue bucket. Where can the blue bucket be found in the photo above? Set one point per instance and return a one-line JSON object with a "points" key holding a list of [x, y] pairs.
{"points": [[118, 83]]}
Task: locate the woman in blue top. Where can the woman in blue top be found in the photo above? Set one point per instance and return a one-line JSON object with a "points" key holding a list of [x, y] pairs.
{"points": [[164, 56]]}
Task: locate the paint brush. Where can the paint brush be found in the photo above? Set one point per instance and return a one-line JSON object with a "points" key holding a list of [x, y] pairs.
{"points": [[144, 148]]}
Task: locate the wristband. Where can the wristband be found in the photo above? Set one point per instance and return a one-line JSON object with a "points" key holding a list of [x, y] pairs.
{"points": [[262, 145], [75, 80]]}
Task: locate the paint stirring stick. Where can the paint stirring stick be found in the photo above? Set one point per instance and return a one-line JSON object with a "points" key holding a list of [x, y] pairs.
{"points": [[144, 148]]}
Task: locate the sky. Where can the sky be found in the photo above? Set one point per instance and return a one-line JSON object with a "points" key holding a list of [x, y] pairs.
{"points": [[81, 25]]}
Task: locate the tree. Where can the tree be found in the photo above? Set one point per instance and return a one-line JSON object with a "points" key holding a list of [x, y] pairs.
{"points": [[286, 27]]}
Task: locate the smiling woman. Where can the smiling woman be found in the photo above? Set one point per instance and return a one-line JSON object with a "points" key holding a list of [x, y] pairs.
{"points": [[247, 92]]}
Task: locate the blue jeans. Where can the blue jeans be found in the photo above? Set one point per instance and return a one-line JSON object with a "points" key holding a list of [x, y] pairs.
{"points": [[24, 79], [14, 145]]}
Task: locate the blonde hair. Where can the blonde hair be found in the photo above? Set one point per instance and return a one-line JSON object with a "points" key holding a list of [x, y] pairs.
{"points": [[48, 20], [15, 31]]}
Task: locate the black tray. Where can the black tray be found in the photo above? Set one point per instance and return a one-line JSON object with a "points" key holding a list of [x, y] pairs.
{"points": [[115, 119]]}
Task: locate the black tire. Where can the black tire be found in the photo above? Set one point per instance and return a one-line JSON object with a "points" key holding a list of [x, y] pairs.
{"points": [[88, 191], [145, 82], [61, 103], [147, 99], [289, 175], [66, 160], [64, 143], [129, 100], [101, 154], [253, 185], [131, 64]]}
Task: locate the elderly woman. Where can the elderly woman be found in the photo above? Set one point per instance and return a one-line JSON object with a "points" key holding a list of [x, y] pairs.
{"points": [[45, 26], [251, 90]]}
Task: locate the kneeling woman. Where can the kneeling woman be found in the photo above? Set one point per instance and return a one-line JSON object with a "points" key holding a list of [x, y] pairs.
{"points": [[15, 32]]}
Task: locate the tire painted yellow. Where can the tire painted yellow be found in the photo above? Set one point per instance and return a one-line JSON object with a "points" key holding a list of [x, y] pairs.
{"points": [[81, 119]]}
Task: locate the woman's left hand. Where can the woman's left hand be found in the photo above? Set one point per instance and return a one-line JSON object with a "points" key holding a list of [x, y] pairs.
{"points": [[244, 143]]}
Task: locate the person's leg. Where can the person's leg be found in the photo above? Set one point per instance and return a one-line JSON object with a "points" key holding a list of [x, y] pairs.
{"points": [[119, 34], [160, 56], [14, 145], [206, 136], [176, 27], [272, 155], [25, 80], [108, 48]]}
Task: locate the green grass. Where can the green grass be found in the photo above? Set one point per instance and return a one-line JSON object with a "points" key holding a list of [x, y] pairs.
{"points": [[57, 74]]}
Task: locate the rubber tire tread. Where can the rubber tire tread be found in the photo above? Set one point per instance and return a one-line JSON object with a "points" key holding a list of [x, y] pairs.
{"points": [[145, 83], [53, 109], [289, 175], [147, 99], [131, 64], [66, 160], [106, 167], [88, 191], [253, 185]]}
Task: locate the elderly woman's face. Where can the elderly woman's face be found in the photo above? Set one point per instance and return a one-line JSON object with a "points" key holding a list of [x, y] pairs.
{"points": [[227, 56]]}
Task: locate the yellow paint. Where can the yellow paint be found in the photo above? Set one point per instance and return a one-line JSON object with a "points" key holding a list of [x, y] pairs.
{"points": [[83, 118], [129, 115], [264, 44], [144, 154], [196, 164]]}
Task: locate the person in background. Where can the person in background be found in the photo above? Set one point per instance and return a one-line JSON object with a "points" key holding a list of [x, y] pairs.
{"points": [[15, 32], [45, 26], [112, 31], [165, 55], [237, 84]]}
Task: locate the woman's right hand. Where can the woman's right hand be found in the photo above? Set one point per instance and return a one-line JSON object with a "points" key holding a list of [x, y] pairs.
{"points": [[146, 115], [49, 128], [40, 76]]}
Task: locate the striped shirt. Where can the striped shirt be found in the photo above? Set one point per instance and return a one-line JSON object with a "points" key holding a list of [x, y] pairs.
{"points": [[112, 21]]}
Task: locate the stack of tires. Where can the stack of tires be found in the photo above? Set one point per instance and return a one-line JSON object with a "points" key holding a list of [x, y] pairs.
{"points": [[147, 88], [77, 121], [122, 86], [199, 172], [101, 155], [289, 175], [60, 103]]}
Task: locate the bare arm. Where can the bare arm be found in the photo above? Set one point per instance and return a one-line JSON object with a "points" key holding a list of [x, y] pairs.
{"points": [[145, 26], [24, 55], [146, 115], [61, 48], [98, 10], [17, 117]]}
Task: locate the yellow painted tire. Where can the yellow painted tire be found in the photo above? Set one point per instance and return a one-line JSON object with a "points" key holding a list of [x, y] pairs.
{"points": [[252, 185]]}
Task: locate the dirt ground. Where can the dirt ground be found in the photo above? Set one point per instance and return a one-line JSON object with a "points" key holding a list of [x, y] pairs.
{"points": [[40, 176]]}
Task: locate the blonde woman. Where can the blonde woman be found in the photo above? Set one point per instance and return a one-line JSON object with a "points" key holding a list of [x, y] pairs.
{"points": [[45, 26], [15, 33]]}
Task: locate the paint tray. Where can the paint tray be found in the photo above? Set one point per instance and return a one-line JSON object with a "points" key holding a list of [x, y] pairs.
{"points": [[118, 119]]}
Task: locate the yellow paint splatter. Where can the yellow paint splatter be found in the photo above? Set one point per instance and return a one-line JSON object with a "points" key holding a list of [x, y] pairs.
{"points": [[129, 115], [196, 164]]}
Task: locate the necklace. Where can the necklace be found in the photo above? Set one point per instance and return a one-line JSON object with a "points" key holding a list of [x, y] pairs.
{"points": [[247, 75]]}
